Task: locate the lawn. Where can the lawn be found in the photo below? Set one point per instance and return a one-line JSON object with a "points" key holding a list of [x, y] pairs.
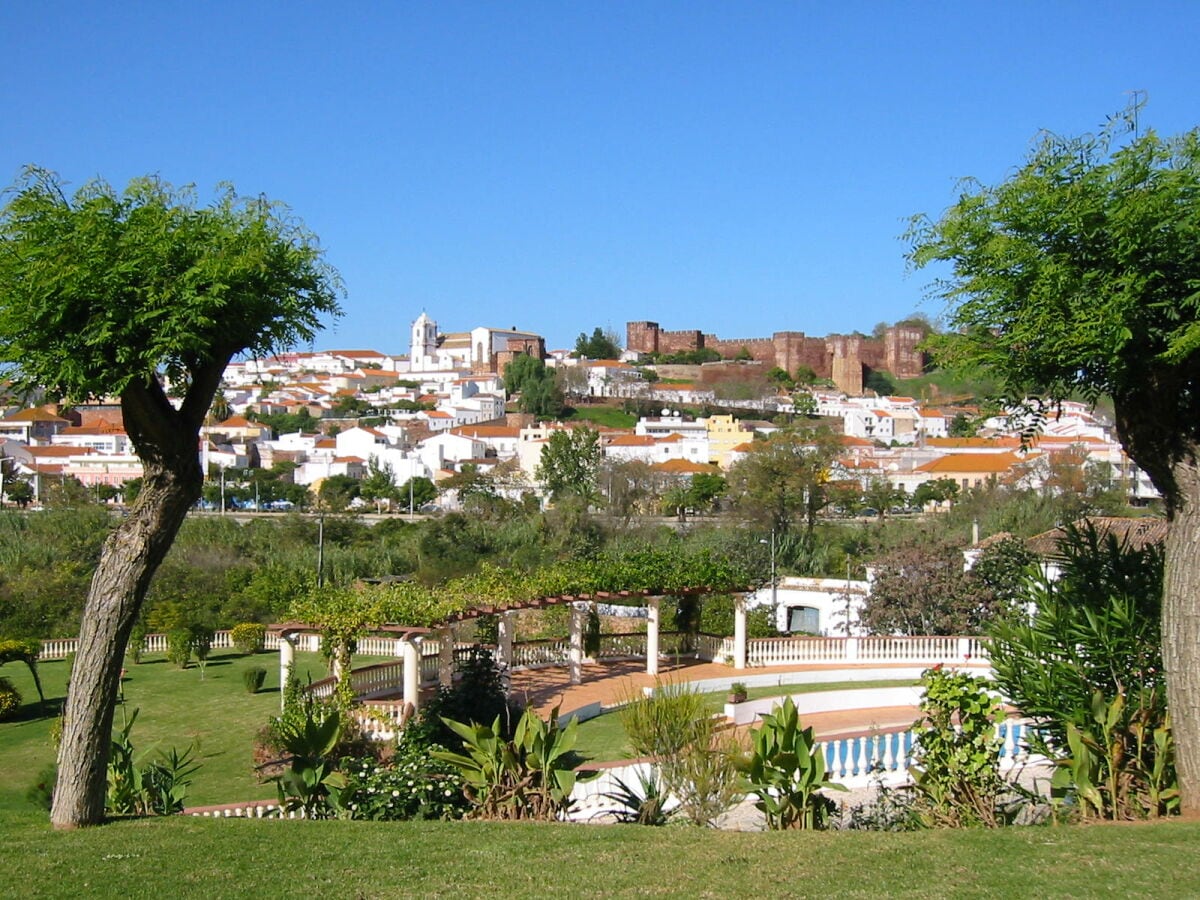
{"points": [[184, 857], [603, 416], [176, 708]]}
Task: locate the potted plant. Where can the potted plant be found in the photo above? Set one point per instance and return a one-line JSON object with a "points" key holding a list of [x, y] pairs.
{"points": [[737, 692]]}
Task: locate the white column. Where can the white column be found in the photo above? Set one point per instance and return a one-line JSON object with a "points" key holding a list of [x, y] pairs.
{"points": [[739, 631], [412, 674], [287, 661], [578, 619], [652, 620], [504, 646], [446, 656]]}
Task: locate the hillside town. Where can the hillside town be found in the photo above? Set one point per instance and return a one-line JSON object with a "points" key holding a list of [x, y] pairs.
{"points": [[442, 409]]}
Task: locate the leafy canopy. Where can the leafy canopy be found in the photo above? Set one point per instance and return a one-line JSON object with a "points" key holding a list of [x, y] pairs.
{"points": [[100, 290], [1081, 273]]}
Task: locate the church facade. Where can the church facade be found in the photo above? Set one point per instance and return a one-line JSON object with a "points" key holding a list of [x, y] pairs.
{"points": [[479, 351]]}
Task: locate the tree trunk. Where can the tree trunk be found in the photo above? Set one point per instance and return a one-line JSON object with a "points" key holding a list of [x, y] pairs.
{"points": [[1181, 632], [131, 554]]}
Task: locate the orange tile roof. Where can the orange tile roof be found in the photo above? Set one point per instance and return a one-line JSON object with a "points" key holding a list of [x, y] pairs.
{"points": [[59, 451], [974, 463], [683, 467], [34, 414], [632, 440]]}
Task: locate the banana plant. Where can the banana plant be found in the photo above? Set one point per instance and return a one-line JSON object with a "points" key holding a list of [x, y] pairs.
{"points": [[786, 771]]}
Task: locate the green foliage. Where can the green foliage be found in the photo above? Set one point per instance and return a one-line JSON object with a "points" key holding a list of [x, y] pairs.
{"points": [[311, 785], [939, 489], [248, 637], [179, 647], [139, 788], [704, 777], [645, 804], [785, 479], [601, 345], [662, 724], [539, 392], [27, 651], [1078, 273], [1119, 763], [129, 285], [477, 695], [413, 784], [920, 588], [785, 770], [1095, 628], [956, 766], [254, 678], [10, 699], [570, 462], [529, 777]]}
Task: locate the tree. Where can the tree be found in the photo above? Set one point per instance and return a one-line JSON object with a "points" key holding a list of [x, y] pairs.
{"points": [[379, 485], [419, 490], [1077, 275], [785, 478], [921, 588], [19, 492], [570, 463], [131, 294], [337, 492], [601, 345], [539, 394]]}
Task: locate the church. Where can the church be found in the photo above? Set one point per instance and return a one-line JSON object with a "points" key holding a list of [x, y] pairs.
{"points": [[478, 351]]}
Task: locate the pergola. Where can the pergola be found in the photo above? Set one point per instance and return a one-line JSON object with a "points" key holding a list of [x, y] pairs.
{"points": [[409, 638]]}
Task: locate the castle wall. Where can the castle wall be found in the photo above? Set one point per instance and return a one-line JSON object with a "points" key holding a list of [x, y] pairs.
{"points": [[837, 357]]}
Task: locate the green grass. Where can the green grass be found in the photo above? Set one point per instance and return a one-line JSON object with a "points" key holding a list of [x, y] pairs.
{"points": [[604, 416], [603, 739], [176, 708], [226, 858]]}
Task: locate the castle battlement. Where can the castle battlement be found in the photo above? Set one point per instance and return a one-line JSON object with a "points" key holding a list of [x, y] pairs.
{"points": [[839, 357]]}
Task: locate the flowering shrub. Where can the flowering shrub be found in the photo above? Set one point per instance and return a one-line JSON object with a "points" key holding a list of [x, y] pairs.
{"points": [[10, 699], [248, 637], [412, 785]]}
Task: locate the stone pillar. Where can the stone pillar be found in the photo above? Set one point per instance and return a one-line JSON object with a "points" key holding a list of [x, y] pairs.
{"points": [[412, 673], [739, 631], [287, 661], [446, 656], [504, 646], [578, 621], [652, 622]]}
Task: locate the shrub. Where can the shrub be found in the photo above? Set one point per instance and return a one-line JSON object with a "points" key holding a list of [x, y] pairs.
{"points": [[41, 792], [785, 769], [10, 699], [1088, 667], [137, 642], [666, 722], [179, 647], [412, 785], [254, 678], [248, 637], [477, 695], [530, 776], [956, 766]]}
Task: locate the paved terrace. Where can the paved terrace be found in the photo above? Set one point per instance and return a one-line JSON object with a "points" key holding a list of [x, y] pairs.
{"points": [[611, 682]]}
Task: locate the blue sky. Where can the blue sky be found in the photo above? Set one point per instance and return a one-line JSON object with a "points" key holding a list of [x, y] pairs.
{"points": [[737, 167]]}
